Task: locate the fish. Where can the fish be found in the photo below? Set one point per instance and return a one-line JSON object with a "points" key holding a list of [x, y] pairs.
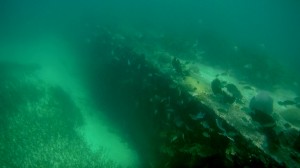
{"points": [[287, 103], [248, 87], [206, 134], [198, 116], [179, 91], [248, 66], [180, 102], [174, 138], [205, 125], [128, 62], [188, 128], [178, 121], [155, 112], [219, 124]]}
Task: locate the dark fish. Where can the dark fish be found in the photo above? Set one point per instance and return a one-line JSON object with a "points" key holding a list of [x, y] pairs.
{"points": [[286, 103], [243, 83], [248, 87], [222, 74]]}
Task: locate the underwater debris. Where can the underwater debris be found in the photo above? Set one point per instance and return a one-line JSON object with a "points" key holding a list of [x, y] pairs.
{"points": [[160, 105]]}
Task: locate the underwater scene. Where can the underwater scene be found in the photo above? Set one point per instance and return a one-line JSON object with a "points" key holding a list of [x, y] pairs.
{"points": [[149, 84]]}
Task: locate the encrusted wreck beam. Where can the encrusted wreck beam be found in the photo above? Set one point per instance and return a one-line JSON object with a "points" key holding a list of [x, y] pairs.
{"points": [[168, 125]]}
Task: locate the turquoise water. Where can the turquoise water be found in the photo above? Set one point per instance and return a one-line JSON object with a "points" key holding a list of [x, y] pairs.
{"points": [[72, 93]]}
